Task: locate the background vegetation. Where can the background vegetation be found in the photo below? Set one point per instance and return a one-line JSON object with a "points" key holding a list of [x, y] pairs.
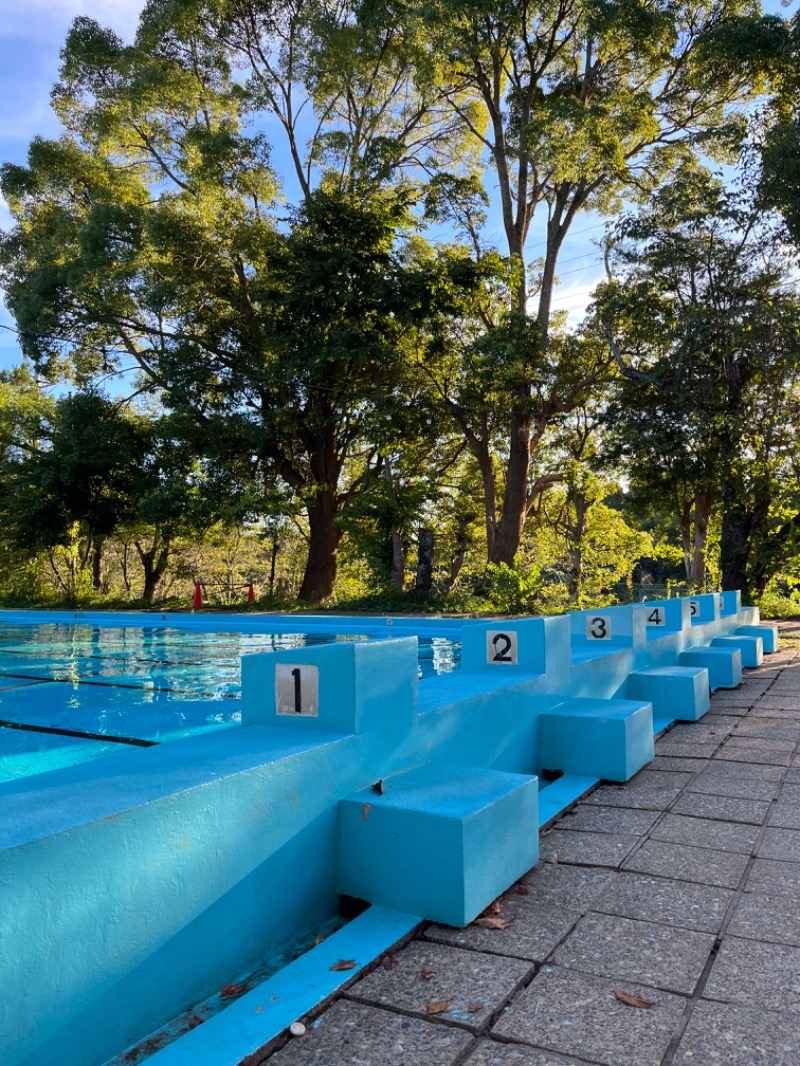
{"points": [[282, 323]]}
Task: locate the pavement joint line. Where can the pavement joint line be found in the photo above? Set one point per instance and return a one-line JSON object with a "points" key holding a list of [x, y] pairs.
{"points": [[738, 894]]}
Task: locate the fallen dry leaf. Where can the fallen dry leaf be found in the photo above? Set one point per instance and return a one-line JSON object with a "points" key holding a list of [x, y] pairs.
{"points": [[232, 990], [344, 964], [521, 890], [389, 962], [493, 923], [437, 1006], [632, 999], [319, 940], [494, 908], [427, 973], [194, 1021], [473, 1008]]}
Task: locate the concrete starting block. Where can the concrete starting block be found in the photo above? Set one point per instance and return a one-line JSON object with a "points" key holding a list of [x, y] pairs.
{"points": [[441, 841], [676, 692], [768, 633], [752, 648], [612, 739], [724, 665]]}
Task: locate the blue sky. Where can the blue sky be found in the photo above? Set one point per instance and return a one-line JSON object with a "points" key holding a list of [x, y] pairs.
{"points": [[32, 33]]}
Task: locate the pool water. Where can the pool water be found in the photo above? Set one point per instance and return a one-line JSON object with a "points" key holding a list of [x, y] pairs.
{"points": [[72, 692]]}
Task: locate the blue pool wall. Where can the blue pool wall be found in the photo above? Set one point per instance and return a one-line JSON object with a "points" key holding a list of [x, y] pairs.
{"points": [[134, 885]]}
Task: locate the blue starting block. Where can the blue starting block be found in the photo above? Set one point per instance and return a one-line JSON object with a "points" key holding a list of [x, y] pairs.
{"points": [[677, 693], [768, 633], [724, 665], [752, 648], [610, 739], [440, 841]]}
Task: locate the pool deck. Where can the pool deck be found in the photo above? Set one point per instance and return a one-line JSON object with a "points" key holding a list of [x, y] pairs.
{"points": [[679, 891]]}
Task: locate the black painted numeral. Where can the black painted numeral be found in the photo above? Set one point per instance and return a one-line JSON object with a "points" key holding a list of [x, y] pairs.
{"points": [[693, 608], [501, 653], [598, 628], [298, 702], [654, 618]]}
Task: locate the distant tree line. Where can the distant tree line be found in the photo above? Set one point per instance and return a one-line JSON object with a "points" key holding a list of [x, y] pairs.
{"points": [[351, 376]]}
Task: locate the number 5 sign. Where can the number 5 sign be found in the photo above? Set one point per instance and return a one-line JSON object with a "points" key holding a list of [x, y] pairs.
{"points": [[297, 690]]}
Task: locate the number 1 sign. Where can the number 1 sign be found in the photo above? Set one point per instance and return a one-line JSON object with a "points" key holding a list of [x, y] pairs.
{"points": [[297, 690]]}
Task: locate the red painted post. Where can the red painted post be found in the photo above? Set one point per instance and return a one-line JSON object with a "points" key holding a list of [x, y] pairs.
{"points": [[197, 599], [251, 594]]}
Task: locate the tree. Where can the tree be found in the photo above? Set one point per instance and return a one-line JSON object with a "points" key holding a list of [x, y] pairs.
{"points": [[574, 104], [151, 232], [707, 340]]}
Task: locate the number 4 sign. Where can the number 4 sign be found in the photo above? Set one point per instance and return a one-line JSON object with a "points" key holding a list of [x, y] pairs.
{"points": [[297, 690], [656, 617]]}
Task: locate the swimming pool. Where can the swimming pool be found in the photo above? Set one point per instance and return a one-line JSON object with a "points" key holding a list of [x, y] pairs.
{"points": [[76, 691]]}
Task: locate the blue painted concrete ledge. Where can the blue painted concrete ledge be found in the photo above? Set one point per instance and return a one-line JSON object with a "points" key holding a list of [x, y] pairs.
{"points": [[135, 885]]}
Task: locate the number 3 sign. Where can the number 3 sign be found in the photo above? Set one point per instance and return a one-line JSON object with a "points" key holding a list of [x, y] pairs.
{"points": [[598, 627]]}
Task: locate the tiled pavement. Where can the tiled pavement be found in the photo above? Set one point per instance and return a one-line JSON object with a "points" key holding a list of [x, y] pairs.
{"points": [[681, 888]]}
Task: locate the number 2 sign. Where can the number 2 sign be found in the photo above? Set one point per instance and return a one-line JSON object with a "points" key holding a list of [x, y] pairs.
{"points": [[297, 690], [501, 647]]}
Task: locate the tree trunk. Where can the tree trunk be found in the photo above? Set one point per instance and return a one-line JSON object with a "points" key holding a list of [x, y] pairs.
{"points": [[272, 561], [702, 513], [461, 554], [98, 575], [155, 560], [323, 546], [398, 548], [735, 549], [508, 533], [424, 580]]}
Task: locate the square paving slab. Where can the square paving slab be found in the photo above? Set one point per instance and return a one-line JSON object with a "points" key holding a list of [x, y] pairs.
{"points": [[782, 844], [772, 728], [702, 748], [589, 849], [723, 1035], [491, 1053], [357, 1035], [471, 983], [785, 816], [627, 950], [564, 886], [679, 762], [658, 779], [705, 833], [655, 799], [684, 863], [760, 915], [534, 932], [756, 975], [721, 808], [739, 787], [774, 876], [727, 768], [576, 1014], [596, 819], [679, 904]]}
